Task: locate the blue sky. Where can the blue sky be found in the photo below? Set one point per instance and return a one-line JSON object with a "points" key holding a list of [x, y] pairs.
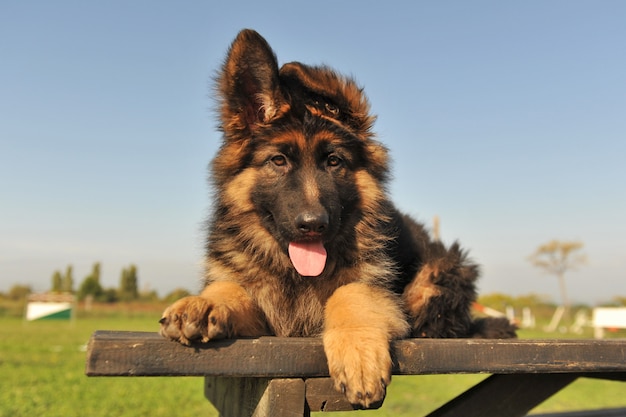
{"points": [[505, 119]]}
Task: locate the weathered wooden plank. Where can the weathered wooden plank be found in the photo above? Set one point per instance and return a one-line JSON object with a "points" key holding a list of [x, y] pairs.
{"points": [[322, 396], [256, 397], [511, 395], [283, 397], [148, 354], [440, 356]]}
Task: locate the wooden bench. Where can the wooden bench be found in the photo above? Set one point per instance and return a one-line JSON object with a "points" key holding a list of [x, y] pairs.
{"points": [[272, 376]]}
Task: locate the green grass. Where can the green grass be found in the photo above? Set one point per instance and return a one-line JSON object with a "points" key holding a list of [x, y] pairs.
{"points": [[42, 373]]}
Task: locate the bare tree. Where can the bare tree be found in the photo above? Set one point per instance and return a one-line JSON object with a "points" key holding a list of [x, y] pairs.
{"points": [[557, 257]]}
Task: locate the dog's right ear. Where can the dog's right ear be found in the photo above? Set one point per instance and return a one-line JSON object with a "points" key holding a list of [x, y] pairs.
{"points": [[248, 87]]}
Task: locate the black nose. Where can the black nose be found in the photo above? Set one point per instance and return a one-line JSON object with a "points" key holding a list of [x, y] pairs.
{"points": [[309, 222]]}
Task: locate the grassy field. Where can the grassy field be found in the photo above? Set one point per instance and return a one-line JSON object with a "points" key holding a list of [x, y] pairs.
{"points": [[42, 373]]}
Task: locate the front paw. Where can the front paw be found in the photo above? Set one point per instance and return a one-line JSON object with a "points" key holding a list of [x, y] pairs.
{"points": [[360, 366], [194, 319]]}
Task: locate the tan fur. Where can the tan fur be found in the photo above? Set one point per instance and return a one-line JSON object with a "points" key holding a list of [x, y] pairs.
{"points": [[223, 309], [421, 290], [242, 184], [360, 322], [185, 320]]}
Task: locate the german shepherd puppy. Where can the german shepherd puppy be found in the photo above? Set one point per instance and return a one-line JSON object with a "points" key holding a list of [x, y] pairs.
{"points": [[304, 241]]}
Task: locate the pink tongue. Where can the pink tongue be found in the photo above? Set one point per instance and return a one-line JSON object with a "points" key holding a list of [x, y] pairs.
{"points": [[309, 258]]}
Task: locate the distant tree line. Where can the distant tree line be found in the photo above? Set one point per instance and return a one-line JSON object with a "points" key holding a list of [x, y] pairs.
{"points": [[91, 287], [63, 282]]}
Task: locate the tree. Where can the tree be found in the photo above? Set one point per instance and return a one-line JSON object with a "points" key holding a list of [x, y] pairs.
{"points": [[109, 295], [19, 292], [57, 281], [557, 257], [175, 295], [67, 284], [128, 284], [95, 271], [618, 301], [91, 284]]}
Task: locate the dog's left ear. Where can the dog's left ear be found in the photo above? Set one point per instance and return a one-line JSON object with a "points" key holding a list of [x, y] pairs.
{"points": [[248, 86], [331, 95]]}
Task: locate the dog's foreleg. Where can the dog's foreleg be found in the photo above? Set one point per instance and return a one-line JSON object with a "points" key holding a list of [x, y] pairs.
{"points": [[360, 322]]}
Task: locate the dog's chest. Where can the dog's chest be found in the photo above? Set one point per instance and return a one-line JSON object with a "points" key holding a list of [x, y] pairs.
{"points": [[297, 314]]}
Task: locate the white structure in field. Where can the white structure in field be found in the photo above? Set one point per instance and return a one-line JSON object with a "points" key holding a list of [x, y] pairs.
{"points": [[608, 318], [50, 307]]}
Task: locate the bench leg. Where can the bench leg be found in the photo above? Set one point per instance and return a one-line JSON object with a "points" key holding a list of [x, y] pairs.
{"points": [[256, 397], [512, 395]]}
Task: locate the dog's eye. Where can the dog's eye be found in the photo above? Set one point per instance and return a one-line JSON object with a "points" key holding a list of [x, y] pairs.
{"points": [[279, 160], [333, 161]]}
